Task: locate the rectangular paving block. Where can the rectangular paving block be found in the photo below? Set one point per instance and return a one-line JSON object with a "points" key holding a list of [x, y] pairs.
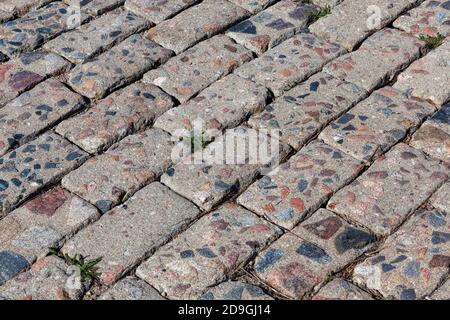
{"points": [[34, 111], [131, 232], [131, 288], [254, 6], [117, 67], [413, 261], [300, 186], [385, 53], [20, 7], [94, 7], [48, 279], [304, 110], [226, 166], [126, 167], [96, 36], [374, 125], [235, 290], [22, 73], [433, 137], [34, 166], [441, 199], [225, 104], [272, 26], [288, 64], [156, 10], [443, 293], [202, 256], [323, 3], [43, 222], [352, 21], [428, 78], [195, 24], [190, 72], [341, 289], [430, 18], [36, 27], [298, 262], [121, 113], [390, 190]]}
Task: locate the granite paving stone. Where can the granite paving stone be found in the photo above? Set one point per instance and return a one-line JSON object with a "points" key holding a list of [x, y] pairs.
{"points": [[430, 18], [126, 167], [385, 53], [131, 232], [413, 261], [443, 293], [272, 26], [196, 23], [5, 16], [94, 7], [203, 256], [352, 21], [22, 73], [226, 166], [323, 3], [48, 279], [301, 185], [97, 36], [341, 289], [11, 264], [34, 166], [34, 111], [304, 110], [131, 288], [117, 67], [36, 27], [374, 125], [225, 104], [187, 74], [428, 78], [254, 6], [235, 290], [288, 64], [390, 190], [441, 199], [121, 113], [21, 6], [298, 262], [45, 221], [158, 10]]}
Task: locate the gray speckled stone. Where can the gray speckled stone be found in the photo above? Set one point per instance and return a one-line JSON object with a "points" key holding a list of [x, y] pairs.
{"points": [[5, 16], [254, 6], [235, 290], [21, 6], [443, 293], [131, 288], [156, 10], [340, 289], [441, 199], [95, 7]]}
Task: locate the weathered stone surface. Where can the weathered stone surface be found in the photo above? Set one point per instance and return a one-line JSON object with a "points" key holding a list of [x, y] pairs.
{"points": [[43, 222], [428, 78], [441, 199], [224, 167], [323, 3], [120, 114], [156, 10], [118, 66], [272, 26], [190, 72], [34, 111], [34, 166], [94, 7], [373, 126], [301, 185], [34, 28], [383, 54], [392, 188], [431, 17], [207, 252], [235, 290], [21, 6], [96, 36], [340, 289], [131, 288], [196, 24], [5, 16], [413, 261], [304, 110], [129, 233], [114, 176], [352, 21], [22, 73], [443, 293], [11, 264], [225, 104], [288, 64], [48, 279], [433, 141], [299, 261], [254, 6]]}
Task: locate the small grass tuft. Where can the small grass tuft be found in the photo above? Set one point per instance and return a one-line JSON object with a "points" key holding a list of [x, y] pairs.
{"points": [[323, 11], [88, 268], [432, 42]]}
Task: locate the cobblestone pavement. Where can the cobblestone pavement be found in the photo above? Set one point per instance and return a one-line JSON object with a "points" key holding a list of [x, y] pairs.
{"points": [[352, 100]]}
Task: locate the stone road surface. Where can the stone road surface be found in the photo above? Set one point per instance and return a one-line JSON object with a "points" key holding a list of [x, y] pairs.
{"points": [[352, 203]]}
